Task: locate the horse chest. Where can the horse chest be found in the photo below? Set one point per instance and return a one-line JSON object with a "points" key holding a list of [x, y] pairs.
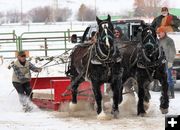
{"points": [[144, 64], [101, 72]]}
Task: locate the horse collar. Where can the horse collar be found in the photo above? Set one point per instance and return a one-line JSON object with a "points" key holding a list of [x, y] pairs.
{"points": [[143, 63]]}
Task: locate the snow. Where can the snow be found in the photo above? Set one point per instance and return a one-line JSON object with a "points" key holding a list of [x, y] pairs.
{"points": [[12, 117], [43, 93]]}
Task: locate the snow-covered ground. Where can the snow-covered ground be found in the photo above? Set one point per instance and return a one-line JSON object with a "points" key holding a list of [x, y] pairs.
{"points": [[13, 118]]}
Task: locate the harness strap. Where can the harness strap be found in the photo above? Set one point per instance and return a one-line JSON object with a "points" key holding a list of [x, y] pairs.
{"points": [[131, 58], [106, 56], [149, 75], [89, 61]]}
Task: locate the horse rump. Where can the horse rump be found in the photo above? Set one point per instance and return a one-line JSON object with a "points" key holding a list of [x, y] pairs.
{"points": [[78, 60]]}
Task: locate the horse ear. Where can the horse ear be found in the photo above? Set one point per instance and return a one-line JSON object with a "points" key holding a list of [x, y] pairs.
{"points": [[98, 20], [109, 18]]}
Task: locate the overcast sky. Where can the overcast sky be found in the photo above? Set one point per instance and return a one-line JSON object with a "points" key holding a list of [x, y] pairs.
{"points": [[112, 6]]}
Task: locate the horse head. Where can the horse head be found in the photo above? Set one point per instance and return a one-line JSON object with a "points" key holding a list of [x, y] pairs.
{"points": [[149, 42], [105, 38]]}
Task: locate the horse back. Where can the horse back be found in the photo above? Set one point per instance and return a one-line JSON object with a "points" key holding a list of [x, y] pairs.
{"points": [[79, 56], [129, 53]]}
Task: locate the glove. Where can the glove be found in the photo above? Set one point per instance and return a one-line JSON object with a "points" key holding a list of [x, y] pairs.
{"points": [[169, 20], [169, 65], [10, 65]]}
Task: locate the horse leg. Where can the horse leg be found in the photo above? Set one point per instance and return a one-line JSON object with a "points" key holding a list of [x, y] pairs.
{"points": [[74, 93], [147, 95], [141, 94], [117, 96], [119, 84], [117, 88], [98, 96], [164, 100], [74, 90]]}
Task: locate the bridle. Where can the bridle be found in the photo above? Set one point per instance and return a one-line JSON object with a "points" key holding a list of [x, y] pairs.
{"points": [[149, 34], [106, 30], [98, 51], [153, 43]]}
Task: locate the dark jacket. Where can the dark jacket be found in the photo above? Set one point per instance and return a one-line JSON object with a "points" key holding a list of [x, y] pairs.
{"points": [[124, 38], [175, 22]]}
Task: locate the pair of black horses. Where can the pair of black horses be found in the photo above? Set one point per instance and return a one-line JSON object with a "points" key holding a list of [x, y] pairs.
{"points": [[104, 62]]}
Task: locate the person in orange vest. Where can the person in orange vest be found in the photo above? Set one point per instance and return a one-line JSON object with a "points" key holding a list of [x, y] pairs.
{"points": [[170, 22]]}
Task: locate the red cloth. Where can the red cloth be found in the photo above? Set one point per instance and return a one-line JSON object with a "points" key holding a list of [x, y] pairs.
{"points": [[161, 29], [169, 20]]}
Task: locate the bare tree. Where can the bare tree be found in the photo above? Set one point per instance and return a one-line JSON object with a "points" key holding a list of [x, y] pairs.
{"points": [[63, 14], [13, 16], [44, 14], [1, 14], [82, 11], [139, 7], [40, 14], [85, 13], [2, 18], [147, 8]]}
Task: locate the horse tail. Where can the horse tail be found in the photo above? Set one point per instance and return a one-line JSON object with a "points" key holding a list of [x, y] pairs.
{"points": [[70, 69]]}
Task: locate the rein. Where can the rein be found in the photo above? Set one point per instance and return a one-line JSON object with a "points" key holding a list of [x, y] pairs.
{"points": [[106, 56], [89, 60], [97, 48]]}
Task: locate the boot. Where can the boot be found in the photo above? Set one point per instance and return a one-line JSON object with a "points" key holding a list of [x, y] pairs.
{"points": [[171, 96], [27, 108]]}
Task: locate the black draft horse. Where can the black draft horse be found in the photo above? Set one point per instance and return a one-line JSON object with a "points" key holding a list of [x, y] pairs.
{"points": [[100, 63], [145, 60]]}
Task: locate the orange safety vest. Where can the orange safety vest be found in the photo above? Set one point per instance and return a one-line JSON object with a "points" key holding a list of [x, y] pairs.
{"points": [[167, 27]]}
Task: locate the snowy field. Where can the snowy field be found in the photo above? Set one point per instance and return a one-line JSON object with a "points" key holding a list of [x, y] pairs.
{"points": [[34, 27], [13, 118]]}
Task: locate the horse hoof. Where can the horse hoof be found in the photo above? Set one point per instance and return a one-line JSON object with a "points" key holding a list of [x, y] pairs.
{"points": [[146, 106], [115, 114], [164, 111], [142, 114], [103, 116], [72, 106]]}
